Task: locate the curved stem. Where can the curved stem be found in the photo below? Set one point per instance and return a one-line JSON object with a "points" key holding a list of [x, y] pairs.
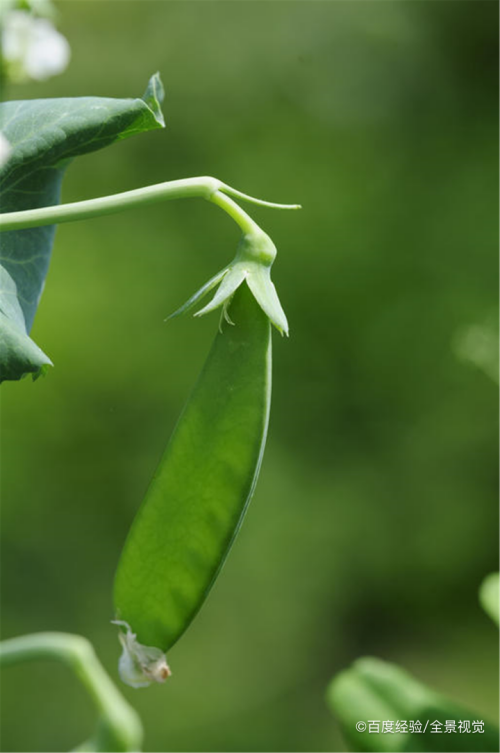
{"points": [[231, 208], [120, 728], [83, 210], [203, 187]]}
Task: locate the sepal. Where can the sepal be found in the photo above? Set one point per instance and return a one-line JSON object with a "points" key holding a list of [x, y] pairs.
{"points": [[252, 264]]}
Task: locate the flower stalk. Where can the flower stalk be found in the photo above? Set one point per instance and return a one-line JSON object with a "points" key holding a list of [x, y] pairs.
{"points": [[254, 256]]}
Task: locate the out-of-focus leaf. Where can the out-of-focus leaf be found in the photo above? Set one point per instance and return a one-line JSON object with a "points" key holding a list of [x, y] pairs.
{"points": [[489, 596], [374, 691], [44, 136]]}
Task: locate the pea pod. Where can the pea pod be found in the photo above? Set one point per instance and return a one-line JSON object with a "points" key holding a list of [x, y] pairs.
{"points": [[199, 493]]}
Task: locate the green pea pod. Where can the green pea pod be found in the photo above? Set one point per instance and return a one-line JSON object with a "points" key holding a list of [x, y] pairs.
{"points": [[198, 496]]}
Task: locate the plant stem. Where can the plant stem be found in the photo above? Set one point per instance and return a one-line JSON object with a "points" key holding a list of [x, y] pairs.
{"points": [[247, 225], [120, 728], [203, 187]]}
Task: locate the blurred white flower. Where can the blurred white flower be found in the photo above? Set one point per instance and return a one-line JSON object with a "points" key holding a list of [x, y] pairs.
{"points": [[5, 150], [32, 48]]}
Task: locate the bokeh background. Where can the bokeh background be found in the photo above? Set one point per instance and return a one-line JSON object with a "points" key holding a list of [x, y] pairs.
{"points": [[375, 518]]}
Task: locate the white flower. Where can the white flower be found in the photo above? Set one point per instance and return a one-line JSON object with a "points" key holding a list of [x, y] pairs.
{"points": [[32, 48], [139, 665]]}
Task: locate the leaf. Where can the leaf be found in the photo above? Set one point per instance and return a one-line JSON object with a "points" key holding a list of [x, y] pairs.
{"points": [[374, 690], [489, 596], [45, 135]]}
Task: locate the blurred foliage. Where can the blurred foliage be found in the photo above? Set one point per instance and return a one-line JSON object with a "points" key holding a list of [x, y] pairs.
{"points": [[375, 518], [118, 726], [489, 596], [412, 716], [416, 718]]}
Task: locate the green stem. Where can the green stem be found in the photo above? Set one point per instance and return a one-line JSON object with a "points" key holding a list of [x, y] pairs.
{"points": [[120, 728], [247, 225], [204, 187]]}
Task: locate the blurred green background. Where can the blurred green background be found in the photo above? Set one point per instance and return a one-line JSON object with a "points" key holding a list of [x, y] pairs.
{"points": [[375, 518]]}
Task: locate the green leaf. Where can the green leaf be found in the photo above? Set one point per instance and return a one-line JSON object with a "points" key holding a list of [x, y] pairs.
{"points": [[45, 135], [489, 596], [376, 691]]}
